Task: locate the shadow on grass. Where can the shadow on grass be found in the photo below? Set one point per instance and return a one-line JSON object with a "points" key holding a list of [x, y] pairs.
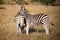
{"points": [[41, 31], [44, 31], [31, 30]]}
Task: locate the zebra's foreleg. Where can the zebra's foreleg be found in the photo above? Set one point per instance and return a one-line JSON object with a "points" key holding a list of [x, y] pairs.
{"points": [[20, 30], [27, 29], [17, 27], [45, 25]]}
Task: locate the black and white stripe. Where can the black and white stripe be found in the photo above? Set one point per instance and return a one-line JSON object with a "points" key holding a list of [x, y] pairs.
{"points": [[32, 20]]}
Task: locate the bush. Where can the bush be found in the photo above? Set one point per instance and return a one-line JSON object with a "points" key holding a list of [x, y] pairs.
{"points": [[1, 1], [46, 2], [21, 2], [35, 0]]}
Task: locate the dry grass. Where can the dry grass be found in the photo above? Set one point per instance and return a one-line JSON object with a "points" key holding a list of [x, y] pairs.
{"points": [[8, 27]]}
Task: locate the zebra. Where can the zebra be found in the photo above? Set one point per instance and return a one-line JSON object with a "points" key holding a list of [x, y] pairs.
{"points": [[20, 22], [34, 20]]}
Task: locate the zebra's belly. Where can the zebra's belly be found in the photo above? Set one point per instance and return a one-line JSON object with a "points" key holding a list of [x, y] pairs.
{"points": [[35, 23]]}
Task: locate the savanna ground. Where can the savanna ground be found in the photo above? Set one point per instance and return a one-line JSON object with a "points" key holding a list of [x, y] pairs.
{"points": [[8, 27]]}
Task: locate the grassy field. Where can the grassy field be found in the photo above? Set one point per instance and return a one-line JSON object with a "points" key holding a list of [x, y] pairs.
{"points": [[8, 27]]}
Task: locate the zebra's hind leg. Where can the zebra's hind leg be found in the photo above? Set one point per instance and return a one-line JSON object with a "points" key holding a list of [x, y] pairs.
{"points": [[45, 25]]}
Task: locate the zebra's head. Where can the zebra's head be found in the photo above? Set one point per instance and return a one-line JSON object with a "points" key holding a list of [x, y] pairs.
{"points": [[23, 11]]}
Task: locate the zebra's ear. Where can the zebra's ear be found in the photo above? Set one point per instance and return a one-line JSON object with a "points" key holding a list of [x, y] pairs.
{"points": [[22, 7], [26, 10]]}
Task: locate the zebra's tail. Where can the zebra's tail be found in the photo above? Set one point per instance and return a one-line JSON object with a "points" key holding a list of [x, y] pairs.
{"points": [[52, 24]]}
